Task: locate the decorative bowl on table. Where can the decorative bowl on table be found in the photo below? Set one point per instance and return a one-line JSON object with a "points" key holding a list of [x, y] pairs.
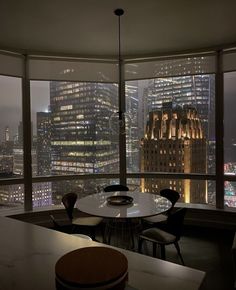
{"points": [[120, 200]]}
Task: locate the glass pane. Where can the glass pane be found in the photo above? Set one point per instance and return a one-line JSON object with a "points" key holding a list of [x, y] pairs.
{"points": [[192, 191], [229, 123], [72, 129], [170, 67], [50, 193], [229, 137], [72, 70], [170, 124], [11, 148], [230, 196], [11, 197]]}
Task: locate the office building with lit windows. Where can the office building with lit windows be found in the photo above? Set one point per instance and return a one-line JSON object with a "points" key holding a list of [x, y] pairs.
{"points": [[132, 129], [81, 139], [174, 142], [197, 90], [43, 144]]}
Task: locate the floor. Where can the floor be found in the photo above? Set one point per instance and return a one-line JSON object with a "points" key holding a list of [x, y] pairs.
{"points": [[205, 249]]}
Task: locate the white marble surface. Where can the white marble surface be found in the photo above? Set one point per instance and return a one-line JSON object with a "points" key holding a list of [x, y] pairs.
{"points": [[28, 254], [144, 205]]}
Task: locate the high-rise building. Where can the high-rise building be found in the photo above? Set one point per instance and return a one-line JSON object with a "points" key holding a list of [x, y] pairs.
{"points": [[81, 140], [43, 145], [174, 142], [14, 194], [195, 90], [132, 139], [7, 134]]}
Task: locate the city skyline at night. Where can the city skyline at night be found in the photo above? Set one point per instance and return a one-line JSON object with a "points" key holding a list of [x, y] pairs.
{"points": [[87, 107]]}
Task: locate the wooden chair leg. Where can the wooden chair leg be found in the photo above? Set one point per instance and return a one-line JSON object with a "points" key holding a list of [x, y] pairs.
{"points": [[179, 253]]}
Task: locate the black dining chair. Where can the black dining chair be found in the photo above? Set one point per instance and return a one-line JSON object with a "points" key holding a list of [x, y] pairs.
{"points": [[116, 187], [163, 238], [61, 225], [173, 197], [91, 222]]}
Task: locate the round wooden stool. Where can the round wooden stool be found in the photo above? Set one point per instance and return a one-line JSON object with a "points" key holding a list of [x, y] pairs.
{"points": [[92, 268]]}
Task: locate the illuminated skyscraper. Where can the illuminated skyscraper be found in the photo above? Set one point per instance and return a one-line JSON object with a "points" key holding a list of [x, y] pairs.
{"points": [[81, 139], [195, 90], [44, 143], [132, 135], [174, 142], [7, 134]]}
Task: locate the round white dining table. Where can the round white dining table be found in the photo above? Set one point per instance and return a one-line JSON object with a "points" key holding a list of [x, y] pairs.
{"points": [[144, 205]]}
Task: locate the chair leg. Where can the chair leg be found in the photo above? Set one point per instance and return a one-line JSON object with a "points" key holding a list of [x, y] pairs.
{"points": [[179, 253], [102, 228], [73, 229], [154, 249], [106, 231], [109, 233], [93, 233], [163, 252], [131, 232], [140, 242]]}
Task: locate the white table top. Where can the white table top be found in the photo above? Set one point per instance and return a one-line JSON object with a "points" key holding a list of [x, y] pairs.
{"points": [[144, 205], [28, 254]]}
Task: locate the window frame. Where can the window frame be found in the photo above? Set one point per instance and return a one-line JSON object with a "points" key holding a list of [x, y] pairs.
{"points": [[219, 177]]}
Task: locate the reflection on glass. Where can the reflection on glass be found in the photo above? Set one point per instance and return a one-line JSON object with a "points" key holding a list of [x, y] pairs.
{"points": [[51, 193], [191, 191]]}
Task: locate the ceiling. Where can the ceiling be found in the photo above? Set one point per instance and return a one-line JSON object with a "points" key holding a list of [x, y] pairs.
{"points": [[89, 27]]}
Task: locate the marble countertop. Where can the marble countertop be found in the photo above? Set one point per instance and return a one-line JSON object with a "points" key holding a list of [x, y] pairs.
{"points": [[143, 205], [28, 254]]}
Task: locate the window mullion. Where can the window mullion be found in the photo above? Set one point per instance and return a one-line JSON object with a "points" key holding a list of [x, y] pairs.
{"points": [[27, 136], [219, 130]]}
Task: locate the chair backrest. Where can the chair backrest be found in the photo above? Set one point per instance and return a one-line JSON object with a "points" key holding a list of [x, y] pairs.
{"points": [[69, 201], [175, 222], [116, 187], [171, 195]]}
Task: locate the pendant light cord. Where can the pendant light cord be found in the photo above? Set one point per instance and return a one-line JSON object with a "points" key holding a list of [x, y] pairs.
{"points": [[119, 12]]}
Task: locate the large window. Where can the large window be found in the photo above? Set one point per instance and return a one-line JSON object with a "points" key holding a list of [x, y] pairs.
{"points": [[170, 128], [72, 133], [11, 140], [194, 191], [171, 139], [71, 128], [51, 193], [230, 136]]}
